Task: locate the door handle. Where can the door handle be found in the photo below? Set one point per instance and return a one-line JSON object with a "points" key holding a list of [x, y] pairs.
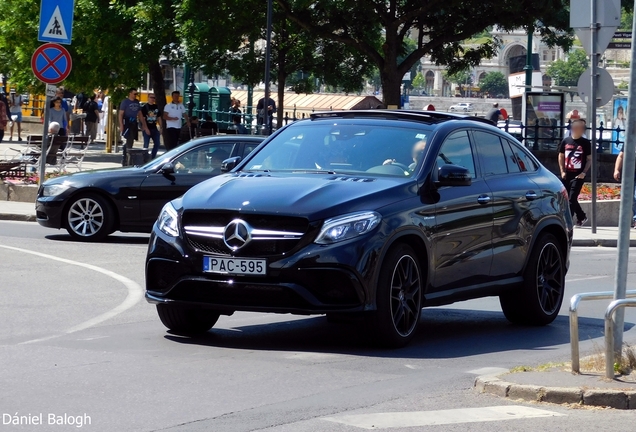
{"points": [[483, 199], [531, 195]]}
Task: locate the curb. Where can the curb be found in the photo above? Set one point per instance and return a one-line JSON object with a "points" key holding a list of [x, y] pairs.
{"points": [[618, 399], [600, 242], [18, 217]]}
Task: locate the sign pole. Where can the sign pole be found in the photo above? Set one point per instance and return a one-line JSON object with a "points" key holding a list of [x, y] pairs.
{"points": [[592, 107], [45, 141], [625, 217]]}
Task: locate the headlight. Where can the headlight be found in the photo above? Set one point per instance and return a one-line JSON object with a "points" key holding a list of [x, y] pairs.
{"points": [[54, 189], [348, 226], [168, 222]]}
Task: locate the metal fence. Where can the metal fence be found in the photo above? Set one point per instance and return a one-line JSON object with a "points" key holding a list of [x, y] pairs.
{"points": [[224, 118], [549, 136]]}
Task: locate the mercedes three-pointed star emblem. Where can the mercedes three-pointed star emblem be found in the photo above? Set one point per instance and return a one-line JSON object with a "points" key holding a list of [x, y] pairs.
{"points": [[237, 234]]}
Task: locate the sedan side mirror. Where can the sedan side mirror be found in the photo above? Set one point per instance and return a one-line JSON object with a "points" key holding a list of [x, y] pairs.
{"points": [[453, 175], [167, 168], [229, 164]]}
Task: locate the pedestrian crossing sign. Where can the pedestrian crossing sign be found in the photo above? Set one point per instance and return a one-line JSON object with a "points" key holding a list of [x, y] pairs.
{"points": [[56, 21]]}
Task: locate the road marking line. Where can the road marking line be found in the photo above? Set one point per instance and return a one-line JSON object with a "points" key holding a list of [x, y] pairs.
{"points": [[586, 278], [441, 417], [135, 294]]}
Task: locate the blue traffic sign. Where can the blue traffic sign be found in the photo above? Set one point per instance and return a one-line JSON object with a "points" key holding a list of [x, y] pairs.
{"points": [[56, 21]]}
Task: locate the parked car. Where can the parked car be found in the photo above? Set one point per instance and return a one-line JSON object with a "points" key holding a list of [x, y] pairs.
{"points": [[93, 204], [378, 213], [462, 107]]}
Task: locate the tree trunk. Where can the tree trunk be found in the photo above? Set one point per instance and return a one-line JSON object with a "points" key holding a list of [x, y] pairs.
{"points": [[391, 83], [156, 82], [281, 78]]}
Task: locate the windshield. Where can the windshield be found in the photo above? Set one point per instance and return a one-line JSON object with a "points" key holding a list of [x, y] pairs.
{"points": [[347, 147]]}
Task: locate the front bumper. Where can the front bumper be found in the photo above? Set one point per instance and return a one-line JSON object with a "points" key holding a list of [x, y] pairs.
{"points": [[315, 279], [49, 211]]}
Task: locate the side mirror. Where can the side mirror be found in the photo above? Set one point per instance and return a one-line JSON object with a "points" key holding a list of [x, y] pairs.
{"points": [[229, 164], [167, 168], [453, 175]]}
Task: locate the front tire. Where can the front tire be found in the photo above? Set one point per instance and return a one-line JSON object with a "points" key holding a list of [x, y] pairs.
{"points": [[539, 300], [89, 218], [398, 298], [186, 321]]}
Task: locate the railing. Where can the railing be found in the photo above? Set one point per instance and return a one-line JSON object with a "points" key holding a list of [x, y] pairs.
{"points": [[609, 333], [224, 118], [574, 320], [549, 136]]}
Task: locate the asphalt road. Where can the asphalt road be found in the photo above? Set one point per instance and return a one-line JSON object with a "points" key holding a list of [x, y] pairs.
{"points": [[79, 343]]}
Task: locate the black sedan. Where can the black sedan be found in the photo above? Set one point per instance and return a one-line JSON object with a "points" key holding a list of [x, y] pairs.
{"points": [[377, 213], [94, 204]]}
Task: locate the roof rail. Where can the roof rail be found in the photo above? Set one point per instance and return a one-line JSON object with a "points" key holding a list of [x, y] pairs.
{"points": [[431, 116]]}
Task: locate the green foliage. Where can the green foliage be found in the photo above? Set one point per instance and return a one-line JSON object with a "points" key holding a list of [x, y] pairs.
{"points": [[494, 83], [567, 72], [419, 81]]}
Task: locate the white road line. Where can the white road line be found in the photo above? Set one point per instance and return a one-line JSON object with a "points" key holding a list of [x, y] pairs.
{"points": [[441, 417], [488, 371], [135, 293], [586, 278]]}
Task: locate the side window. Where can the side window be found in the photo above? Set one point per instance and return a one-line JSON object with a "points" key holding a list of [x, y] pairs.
{"points": [[248, 148], [490, 153], [525, 161], [456, 150], [511, 159], [206, 159]]}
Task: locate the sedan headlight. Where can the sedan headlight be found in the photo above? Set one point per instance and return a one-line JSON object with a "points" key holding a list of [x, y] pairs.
{"points": [[54, 189], [348, 226], [168, 222]]}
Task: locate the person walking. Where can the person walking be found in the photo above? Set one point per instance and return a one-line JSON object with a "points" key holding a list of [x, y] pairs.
{"points": [[575, 161], [128, 115], [150, 123], [15, 113], [172, 114], [92, 118]]}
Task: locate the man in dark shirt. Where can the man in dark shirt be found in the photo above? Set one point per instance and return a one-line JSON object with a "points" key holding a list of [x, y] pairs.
{"points": [[151, 118], [575, 160], [494, 115], [92, 117], [265, 112]]}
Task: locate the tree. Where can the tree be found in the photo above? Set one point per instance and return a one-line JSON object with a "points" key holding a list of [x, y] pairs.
{"points": [[419, 81], [494, 83], [114, 43], [567, 72], [460, 78], [380, 30]]}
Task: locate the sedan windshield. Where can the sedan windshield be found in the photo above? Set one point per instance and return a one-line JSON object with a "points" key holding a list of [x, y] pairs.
{"points": [[347, 147]]}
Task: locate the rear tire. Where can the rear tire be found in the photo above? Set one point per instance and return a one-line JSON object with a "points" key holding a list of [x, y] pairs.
{"points": [[539, 300], [187, 321], [398, 298]]}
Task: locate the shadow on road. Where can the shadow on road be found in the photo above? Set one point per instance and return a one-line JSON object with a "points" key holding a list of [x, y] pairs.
{"points": [[111, 239], [443, 333]]}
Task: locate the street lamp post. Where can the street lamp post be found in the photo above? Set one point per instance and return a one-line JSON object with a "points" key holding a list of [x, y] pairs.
{"points": [[528, 68], [268, 55], [191, 89]]}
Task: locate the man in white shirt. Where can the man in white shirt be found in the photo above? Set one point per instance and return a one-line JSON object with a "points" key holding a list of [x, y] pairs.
{"points": [[172, 114], [15, 114]]}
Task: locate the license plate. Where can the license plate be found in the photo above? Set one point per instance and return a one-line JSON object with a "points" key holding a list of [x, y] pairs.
{"points": [[235, 266]]}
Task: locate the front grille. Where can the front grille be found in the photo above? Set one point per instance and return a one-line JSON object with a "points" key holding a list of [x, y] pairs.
{"points": [[204, 233]]}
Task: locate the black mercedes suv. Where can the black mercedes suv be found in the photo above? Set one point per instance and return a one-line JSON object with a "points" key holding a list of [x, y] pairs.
{"points": [[377, 213]]}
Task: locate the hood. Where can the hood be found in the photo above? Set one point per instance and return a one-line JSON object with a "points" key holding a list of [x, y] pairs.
{"points": [[91, 177], [314, 196]]}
